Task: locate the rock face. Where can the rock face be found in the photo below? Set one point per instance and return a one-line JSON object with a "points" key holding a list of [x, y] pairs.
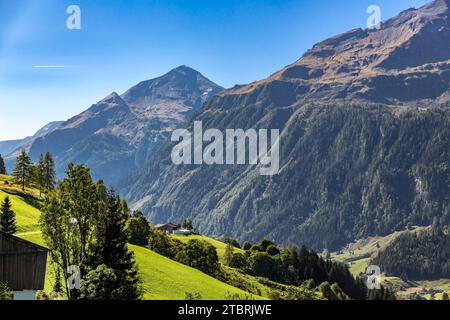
{"points": [[360, 131], [118, 134]]}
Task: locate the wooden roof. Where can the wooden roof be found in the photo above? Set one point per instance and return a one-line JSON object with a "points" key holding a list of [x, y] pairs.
{"points": [[22, 263], [23, 242]]}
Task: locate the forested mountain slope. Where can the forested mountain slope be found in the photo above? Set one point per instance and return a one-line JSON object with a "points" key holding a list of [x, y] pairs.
{"points": [[364, 143]]}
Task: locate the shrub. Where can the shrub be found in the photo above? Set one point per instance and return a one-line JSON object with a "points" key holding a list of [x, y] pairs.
{"points": [[238, 261], [138, 229], [246, 246], [5, 292], [161, 243], [105, 283], [238, 297], [232, 242], [273, 250], [192, 296], [257, 248], [200, 255], [263, 265]]}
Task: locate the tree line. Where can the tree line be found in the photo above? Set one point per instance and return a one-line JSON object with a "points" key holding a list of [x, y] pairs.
{"points": [[41, 174], [2, 165], [298, 266]]}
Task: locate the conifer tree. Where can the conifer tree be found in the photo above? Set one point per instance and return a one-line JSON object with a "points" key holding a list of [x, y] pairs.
{"points": [[22, 168], [46, 177], [7, 217], [111, 251], [2, 165]]}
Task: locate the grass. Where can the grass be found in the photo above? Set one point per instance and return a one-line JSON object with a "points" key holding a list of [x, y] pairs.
{"points": [[236, 278], [23, 204], [443, 284], [10, 185], [364, 248], [27, 216], [358, 266], [163, 279]]}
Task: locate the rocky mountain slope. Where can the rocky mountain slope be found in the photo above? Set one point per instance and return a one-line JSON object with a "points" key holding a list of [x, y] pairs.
{"points": [[365, 143], [406, 62], [118, 134]]}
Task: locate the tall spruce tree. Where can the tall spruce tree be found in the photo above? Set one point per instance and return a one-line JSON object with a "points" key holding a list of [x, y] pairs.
{"points": [[34, 176], [2, 165], [39, 178], [46, 175], [48, 172], [111, 251], [7, 217], [22, 168]]}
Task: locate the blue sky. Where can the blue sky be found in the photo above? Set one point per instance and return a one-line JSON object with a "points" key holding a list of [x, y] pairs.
{"points": [[122, 42]]}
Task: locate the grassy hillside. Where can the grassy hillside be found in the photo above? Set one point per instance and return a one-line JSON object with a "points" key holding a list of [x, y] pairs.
{"points": [[25, 204], [162, 278], [170, 280]]}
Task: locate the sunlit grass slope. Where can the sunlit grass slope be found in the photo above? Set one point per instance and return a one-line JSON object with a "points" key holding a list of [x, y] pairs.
{"points": [[169, 280]]}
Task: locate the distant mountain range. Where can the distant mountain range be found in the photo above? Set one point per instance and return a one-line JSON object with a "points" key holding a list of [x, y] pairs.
{"points": [[12, 147], [365, 140], [118, 134]]}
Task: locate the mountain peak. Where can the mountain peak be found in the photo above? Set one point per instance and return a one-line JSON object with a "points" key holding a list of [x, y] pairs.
{"points": [[416, 41], [112, 97], [185, 72], [183, 86], [184, 68], [119, 133]]}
